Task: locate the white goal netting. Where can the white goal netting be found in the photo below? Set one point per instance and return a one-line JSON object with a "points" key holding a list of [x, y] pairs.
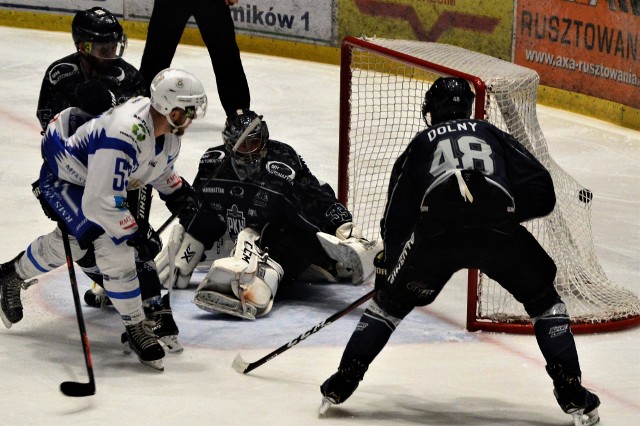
{"points": [[382, 89]]}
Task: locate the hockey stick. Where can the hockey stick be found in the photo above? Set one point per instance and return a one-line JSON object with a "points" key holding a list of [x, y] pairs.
{"points": [[256, 121], [78, 388], [241, 366]]}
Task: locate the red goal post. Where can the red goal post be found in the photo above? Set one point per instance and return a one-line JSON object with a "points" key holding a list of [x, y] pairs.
{"points": [[382, 86]]}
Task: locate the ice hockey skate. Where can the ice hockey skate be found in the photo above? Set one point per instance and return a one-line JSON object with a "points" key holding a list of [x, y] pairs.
{"points": [[573, 398], [339, 387], [10, 286], [97, 297], [139, 339], [163, 325]]}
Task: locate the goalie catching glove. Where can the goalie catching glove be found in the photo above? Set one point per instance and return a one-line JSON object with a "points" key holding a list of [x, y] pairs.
{"points": [[242, 285], [352, 250], [179, 258]]}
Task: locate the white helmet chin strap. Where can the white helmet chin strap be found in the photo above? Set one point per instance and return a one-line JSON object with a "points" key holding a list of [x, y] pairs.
{"points": [[174, 127]]}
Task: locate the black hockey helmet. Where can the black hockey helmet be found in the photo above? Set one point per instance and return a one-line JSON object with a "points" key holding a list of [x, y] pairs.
{"points": [[448, 98], [249, 153], [100, 27]]}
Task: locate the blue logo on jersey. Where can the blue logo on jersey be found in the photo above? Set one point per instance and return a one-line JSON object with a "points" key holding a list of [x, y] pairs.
{"points": [[120, 202]]}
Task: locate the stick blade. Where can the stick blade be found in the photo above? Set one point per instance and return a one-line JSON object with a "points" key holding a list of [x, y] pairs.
{"points": [[76, 389], [239, 364]]}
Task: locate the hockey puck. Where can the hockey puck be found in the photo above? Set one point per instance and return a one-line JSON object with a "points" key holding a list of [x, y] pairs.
{"points": [[585, 195]]}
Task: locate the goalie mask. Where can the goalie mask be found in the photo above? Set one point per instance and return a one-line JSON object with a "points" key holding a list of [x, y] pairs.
{"points": [[173, 88], [97, 33], [448, 98], [248, 155]]}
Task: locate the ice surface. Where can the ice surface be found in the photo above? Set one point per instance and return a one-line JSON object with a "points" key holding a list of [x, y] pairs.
{"points": [[432, 371]]}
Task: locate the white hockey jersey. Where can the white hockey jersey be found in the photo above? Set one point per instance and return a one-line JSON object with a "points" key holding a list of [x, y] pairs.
{"points": [[110, 155]]}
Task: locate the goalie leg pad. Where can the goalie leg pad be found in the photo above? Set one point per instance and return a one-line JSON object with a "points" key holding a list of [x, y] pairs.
{"points": [[165, 260], [175, 267], [214, 302], [187, 259], [249, 276], [354, 253], [261, 286]]}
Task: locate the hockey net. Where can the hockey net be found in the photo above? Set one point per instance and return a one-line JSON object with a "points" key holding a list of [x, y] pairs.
{"points": [[382, 89]]}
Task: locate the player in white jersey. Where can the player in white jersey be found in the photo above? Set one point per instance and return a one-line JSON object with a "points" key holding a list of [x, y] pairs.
{"points": [[84, 181]]}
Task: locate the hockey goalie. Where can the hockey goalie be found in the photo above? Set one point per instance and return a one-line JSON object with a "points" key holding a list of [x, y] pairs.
{"points": [[263, 220]]}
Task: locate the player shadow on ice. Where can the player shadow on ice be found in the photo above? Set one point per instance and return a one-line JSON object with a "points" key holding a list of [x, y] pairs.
{"points": [[310, 299], [410, 409]]}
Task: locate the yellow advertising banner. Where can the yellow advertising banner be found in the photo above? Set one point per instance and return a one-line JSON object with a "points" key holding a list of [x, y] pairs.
{"points": [[584, 46]]}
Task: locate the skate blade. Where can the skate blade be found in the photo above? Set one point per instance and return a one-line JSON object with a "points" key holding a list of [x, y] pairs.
{"points": [[124, 339], [324, 406], [586, 419], [170, 344], [5, 320], [156, 365]]}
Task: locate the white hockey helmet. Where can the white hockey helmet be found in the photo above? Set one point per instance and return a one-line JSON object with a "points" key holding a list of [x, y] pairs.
{"points": [[174, 88]]}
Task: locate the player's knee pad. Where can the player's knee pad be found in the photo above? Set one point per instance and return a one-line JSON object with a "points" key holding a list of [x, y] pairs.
{"points": [[120, 279], [118, 267], [391, 305], [410, 291]]}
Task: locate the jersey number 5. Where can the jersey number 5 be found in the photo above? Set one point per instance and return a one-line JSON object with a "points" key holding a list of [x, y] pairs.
{"points": [[465, 152], [120, 175]]}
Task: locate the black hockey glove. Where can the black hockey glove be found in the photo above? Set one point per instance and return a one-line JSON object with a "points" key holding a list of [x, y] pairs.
{"points": [[46, 208], [94, 97], [146, 241], [183, 203], [379, 263]]}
